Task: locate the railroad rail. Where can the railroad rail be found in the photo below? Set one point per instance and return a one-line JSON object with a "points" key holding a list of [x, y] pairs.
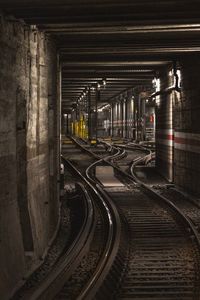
{"points": [[115, 249], [47, 287], [81, 269], [164, 258], [188, 205], [141, 245]]}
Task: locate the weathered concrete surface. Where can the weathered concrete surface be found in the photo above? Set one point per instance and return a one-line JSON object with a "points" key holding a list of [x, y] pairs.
{"points": [[105, 174], [177, 128], [187, 127], [29, 171], [164, 127]]}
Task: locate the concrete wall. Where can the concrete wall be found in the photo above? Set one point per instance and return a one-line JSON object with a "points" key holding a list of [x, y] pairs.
{"points": [[29, 205], [178, 127], [187, 127]]}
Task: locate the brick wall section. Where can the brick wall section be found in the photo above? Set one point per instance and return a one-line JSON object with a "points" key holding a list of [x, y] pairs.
{"points": [[187, 127], [28, 150]]}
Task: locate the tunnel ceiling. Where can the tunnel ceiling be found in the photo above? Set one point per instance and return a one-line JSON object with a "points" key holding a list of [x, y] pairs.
{"points": [[125, 42]]}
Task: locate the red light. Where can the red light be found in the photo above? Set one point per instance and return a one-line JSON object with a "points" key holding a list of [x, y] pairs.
{"points": [[151, 118]]}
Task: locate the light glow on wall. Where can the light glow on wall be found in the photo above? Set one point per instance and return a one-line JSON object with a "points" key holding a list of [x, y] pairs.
{"points": [[106, 106], [132, 104], [157, 100], [119, 109], [156, 84], [178, 72]]}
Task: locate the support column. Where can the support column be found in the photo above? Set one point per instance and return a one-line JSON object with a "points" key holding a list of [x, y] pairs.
{"points": [[186, 127], [122, 118], [137, 116], [164, 128], [89, 115], [96, 114], [126, 117], [111, 115], [67, 124], [141, 118], [134, 118]]}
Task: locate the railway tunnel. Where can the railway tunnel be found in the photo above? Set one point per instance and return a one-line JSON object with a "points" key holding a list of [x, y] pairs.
{"points": [[113, 87]]}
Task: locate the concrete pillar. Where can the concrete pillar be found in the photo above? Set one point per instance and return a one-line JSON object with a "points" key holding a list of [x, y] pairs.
{"points": [[133, 118], [115, 118], [111, 119], [187, 127], [164, 127], [124, 118], [89, 115]]}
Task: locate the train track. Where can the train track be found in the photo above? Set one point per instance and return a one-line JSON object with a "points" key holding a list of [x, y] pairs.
{"points": [[130, 152], [114, 252], [79, 271], [63, 256], [188, 205], [140, 245], [164, 260], [164, 251], [88, 277]]}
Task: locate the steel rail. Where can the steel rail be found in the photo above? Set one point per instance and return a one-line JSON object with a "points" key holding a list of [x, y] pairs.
{"points": [[153, 193], [93, 154], [179, 215], [54, 281], [113, 240], [189, 226]]}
